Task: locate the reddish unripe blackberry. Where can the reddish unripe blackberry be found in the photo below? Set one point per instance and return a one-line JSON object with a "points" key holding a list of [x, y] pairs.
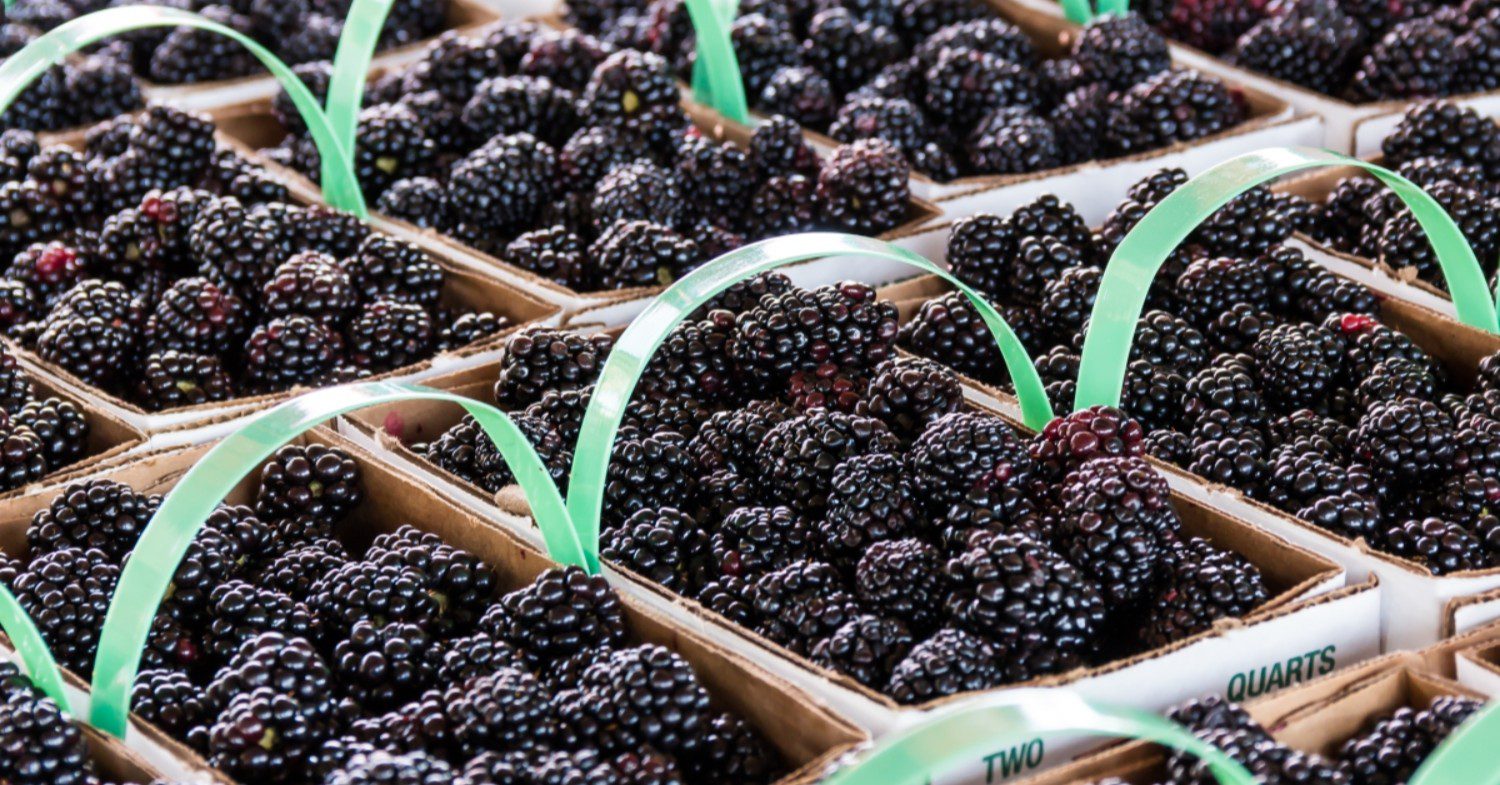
{"points": [[1098, 431]]}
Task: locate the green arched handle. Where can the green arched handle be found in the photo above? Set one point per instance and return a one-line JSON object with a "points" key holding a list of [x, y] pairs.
{"points": [[716, 70], [1468, 756], [1080, 12], [628, 360], [181, 516], [340, 188], [351, 67], [32, 648], [1128, 276], [976, 728]]}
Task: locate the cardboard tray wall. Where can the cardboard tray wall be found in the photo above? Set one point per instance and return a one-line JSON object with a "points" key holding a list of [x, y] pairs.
{"points": [[1341, 119], [465, 285], [1314, 618], [805, 731]]}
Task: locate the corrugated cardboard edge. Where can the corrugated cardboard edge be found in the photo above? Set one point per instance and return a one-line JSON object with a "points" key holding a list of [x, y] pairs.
{"points": [[464, 17], [464, 284], [804, 729]]}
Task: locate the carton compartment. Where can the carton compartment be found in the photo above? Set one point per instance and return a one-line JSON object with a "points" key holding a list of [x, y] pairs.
{"points": [[109, 436], [806, 734]]}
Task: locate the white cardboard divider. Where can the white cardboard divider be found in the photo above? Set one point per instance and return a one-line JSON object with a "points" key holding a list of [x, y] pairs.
{"points": [[1476, 671]]}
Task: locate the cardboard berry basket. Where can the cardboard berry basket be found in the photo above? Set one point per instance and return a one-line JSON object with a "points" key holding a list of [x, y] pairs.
{"points": [[252, 124], [802, 729], [1313, 623], [1341, 119], [463, 16], [1314, 718]]}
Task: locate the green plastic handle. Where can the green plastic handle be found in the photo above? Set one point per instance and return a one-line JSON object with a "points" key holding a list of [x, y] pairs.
{"points": [[1122, 290], [628, 360], [1080, 12], [1467, 756], [340, 188], [351, 66], [181, 516], [716, 70], [32, 648], [974, 729]]}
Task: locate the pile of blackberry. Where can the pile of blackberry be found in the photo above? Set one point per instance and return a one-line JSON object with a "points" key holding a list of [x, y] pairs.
{"points": [[1354, 50], [1252, 367], [42, 744], [283, 654], [297, 31], [52, 102], [162, 268], [570, 158], [1451, 151], [1389, 750], [957, 89], [783, 465], [39, 434]]}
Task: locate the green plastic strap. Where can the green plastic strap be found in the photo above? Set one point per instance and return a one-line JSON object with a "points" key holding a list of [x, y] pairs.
{"points": [[1081, 12], [716, 70], [351, 66], [628, 360], [154, 561], [1127, 277], [40, 666], [1468, 756], [974, 729], [340, 188]]}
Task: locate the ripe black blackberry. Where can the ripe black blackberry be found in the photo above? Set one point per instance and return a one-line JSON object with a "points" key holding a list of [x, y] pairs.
{"points": [[627, 84], [843, 324], [665, 546], [64, 178], [172, 379], [908, 394], [1120, 51], [420, 201], [236, 247], [1315, 50], [290, 665], [1297, 477], [90, 348], [1012, 140], [866, 648], [863, 187], [1394, 379], [1390, 751], [312, 284], [950, 662], [263, 735], [979, 248], [504, 184], [896, 120], [797, 457], [965, 85], [23, 458], [948, 329], [189, 55], [461, 329], [385, 767], [871, 498], [169, 700], [802, 603], [1443, 130], [391, 269], [751, 541], [181, 144], [462, 585], [693, 363], [384, 666], [239, 612], [1116, 520], [1298, 364], [1067, 300], [777, 148], [661, 701], [631, 254], [29, 216], [902, 579], [309, 480], [1200, 584], [564, 611], [716, 177], [1442, 546], [43, 745], [554, 252], [1078, 123], [387, 334], [514, 104], [1172, 106], [1210, 287], [538, 359], [1400, 238], [1096, 432], [1265, 758], [195, 315], [67, 592], [1406, 440], [59, 424], [1040, 612], [960, 452], [647, 470], [799, 94], [384, 591], [294, 572], [93, 514], [290, 351], [18, 306], [1415, 59], [639, 191], [1153, 394]]}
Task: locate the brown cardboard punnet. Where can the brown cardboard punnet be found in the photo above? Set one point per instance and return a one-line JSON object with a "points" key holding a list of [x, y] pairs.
{"points": [[464, 16], [253, 124], [1342, 120], [109, 436], [465, 286], [806, 732]]}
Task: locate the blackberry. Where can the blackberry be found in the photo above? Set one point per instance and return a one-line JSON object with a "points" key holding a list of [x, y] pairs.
{"points": [[239, 612], [783, 205], [1120, 51], [1210, 25], [420, 201], [18, 306], [290, 351], [949, 330], [466, 328], [990, 34], [1237, 461], [978, 251], [538, 359], [262, 735], [801, 95], [731, 748], [797, 457], [638, 191], [564, 611], [717, 177], [61, 174], [965, 85], [628, 83], [309, 480], [381, 592], [462, 584], [311, 284], [1312, 49], [387, 335], [1163, 339], [23, 457], [289, 665], [871, 498], [173, 379], [1298, 364], [866, 649], [1172, 106], [661, 701], [1297, 478], [694, 363], [294, 572], [1068, 442], [42, 745], [385, 666], [61, 426], [843, 324], [569, 58], [664, 546], [197, 316], [902, 579], [1443, 130], [516, 104], [642, 254], [1442, 546], [48, 269], [647, 471], [381, 767], [1078, 123], [1400, 237], [504, 184], [27, 216], [728, 439], [169, 700], [1200, 584], [764, 46], [729, 597], [801, 603], [179, 143], [1429, 171], [1405, 440], [1174, 447], [863, 187], [1390, 751], [235, 246], [100, 515], [66, 592], [553, 252], [1267, 759], [1116, 519], [1012, 140], [950, 662], [1415, 59], [960, 452], [1067, 301]]}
